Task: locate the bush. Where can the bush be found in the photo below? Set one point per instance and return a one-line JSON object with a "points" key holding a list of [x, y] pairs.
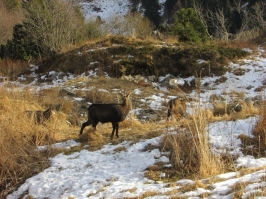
{"points": [[20, 47], [93, 30], [138, 26], [53, 24], [188, 27]]}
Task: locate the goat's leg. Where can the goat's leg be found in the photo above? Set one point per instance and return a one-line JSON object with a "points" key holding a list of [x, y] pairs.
{"points": [[114, 128], [84, 125], [94, 124], [168, 115]]}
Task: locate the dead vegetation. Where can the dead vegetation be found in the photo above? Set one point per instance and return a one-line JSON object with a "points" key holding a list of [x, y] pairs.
{"points": [[20, 136], [256, 145], [118, 56], [189, 149]]}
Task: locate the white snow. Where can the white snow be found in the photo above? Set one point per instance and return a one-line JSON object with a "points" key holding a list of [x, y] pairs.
{"points": [[106, 173]]}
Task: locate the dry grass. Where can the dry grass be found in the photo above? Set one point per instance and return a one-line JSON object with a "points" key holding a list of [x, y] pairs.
{"points": [[225, 111], [238, 44], [129, 130], [258, 141], [259, 132], [190, 150], [209, 164], [20, 136], [239, 189], [11, 69]]}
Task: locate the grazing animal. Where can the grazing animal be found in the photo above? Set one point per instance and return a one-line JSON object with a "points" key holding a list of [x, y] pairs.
{"points": [[176, 106], [105, 113], [40, 116]]}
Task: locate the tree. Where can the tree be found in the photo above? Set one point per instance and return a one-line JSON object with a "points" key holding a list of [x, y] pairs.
{"points": [[151, 11], [188, 27], [138, 26], [53, 24], [20, 47], [234, 19]]}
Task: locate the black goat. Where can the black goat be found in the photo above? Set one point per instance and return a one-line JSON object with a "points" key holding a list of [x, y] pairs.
{"points": [[40, 116], [105, 113]]}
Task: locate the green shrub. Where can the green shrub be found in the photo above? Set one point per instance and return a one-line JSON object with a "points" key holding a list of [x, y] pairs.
{"points": [[20, 47], [231, 53], [93, 30], [188, 27]]}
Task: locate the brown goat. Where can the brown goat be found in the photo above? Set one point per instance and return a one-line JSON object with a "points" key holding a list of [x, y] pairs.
{"points": [[40, 116], [176, 107]]}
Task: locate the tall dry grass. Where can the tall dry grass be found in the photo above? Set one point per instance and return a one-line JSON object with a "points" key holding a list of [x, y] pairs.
{"points": [[189, 148], [20, 136], [256, 145], [11, 69], [209, 163]]}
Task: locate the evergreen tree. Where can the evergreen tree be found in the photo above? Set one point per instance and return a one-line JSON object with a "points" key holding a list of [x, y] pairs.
{"points": [[151, 11], [20, 47], [188, 27]]}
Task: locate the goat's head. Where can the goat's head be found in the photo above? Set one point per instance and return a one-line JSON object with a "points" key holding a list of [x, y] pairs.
{"points": [[125, 97]]}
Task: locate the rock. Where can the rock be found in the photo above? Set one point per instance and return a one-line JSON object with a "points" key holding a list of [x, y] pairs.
{"points": [[254, 101], [139, 78], [128, 78], [154, 85], [151, 78]]}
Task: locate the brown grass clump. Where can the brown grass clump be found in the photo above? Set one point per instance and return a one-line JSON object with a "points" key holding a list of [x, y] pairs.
{"points": [[259, 139], [209, 164], [18, 142], [233, 111], [20, 136], [190, 150], [12, 69]]}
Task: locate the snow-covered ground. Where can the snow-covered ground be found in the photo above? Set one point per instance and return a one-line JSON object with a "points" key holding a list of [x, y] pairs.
{"points": [[106, 9], [111, 173]]}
